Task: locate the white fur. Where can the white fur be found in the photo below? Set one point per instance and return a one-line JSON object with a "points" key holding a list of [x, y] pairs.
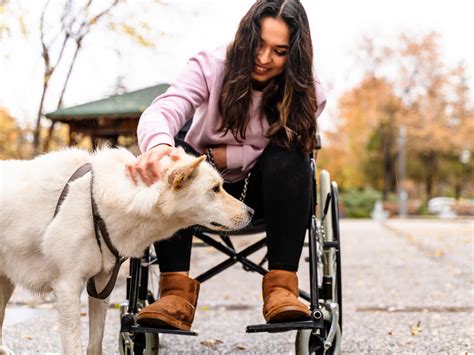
{"points": [[58, 255]]}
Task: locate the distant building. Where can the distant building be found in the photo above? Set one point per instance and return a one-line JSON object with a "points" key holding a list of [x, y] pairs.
{"points": [[109, 118]]}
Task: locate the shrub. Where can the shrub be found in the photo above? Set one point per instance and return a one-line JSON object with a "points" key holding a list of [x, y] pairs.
{"points": [[423, 210], [359, 203]]}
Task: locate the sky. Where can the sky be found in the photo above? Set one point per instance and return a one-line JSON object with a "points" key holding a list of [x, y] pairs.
{"points": [[184, 27]]}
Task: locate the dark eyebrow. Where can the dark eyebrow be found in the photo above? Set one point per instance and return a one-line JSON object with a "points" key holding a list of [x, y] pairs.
{"points": [[283, 46]]}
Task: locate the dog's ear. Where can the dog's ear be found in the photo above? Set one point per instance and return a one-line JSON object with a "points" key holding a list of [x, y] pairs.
{"points": [[181, 174]]}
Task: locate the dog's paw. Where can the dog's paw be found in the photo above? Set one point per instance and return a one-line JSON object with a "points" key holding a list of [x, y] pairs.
{"points": [[5, 351]]}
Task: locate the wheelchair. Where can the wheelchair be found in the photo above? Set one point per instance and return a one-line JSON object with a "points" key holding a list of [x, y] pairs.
{"points": [[320, 335]]}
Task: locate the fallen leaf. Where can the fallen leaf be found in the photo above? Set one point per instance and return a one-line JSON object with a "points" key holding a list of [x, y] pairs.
{"points": [[27, 336], [241, 347], [83, 314], [211, 342], [416, 329]]}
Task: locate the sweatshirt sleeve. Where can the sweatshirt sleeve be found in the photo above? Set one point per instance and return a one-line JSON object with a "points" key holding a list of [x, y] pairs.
{"points": [[170, 111]]}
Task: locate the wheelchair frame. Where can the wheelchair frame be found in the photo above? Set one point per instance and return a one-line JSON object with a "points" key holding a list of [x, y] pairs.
{"points": [[319, 335]]}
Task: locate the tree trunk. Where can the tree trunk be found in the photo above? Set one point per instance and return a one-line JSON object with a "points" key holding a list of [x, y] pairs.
{"points": [[37, 131], [431, 170], [60, 101], [388, 162]]}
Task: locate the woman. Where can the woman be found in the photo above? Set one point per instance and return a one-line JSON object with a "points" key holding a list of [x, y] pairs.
{"points": [[254, 109]]}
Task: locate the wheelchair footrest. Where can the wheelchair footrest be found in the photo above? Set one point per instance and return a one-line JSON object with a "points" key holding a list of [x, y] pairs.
{"points": [[284, 327], [139, 329]]}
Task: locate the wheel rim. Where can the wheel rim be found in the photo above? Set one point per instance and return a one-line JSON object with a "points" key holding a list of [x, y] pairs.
{"points": [[337, 237]]}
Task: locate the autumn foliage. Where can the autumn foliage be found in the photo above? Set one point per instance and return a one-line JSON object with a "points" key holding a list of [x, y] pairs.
{"points": [[404, 86]]}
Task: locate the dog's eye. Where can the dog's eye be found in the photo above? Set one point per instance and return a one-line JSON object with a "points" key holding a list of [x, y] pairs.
{"points": [[217, 189]]}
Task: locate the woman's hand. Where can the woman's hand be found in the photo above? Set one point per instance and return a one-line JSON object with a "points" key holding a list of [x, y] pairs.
{"points": [[147, 166], [220, 157]]}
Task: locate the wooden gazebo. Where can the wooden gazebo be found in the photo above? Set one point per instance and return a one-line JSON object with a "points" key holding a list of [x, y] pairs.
{"points": [[109, 118]]}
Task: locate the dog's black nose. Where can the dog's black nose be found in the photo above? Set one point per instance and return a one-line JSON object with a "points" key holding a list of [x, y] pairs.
{"points": [[250, 212]]}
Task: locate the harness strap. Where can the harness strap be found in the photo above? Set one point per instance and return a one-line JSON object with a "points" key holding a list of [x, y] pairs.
{"points": [[81, 171], [99, 224], [100, 229], [92, 290]]}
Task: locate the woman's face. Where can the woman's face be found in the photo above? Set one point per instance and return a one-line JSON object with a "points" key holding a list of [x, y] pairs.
{"points": [[273, 52]]}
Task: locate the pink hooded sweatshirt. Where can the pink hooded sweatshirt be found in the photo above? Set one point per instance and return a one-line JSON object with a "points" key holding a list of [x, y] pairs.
{"points": [[195, 95]]}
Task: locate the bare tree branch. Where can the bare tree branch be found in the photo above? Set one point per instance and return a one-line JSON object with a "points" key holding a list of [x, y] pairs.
{"points": [[78, 35], [47, 74], [75, 24], [71, 66]]}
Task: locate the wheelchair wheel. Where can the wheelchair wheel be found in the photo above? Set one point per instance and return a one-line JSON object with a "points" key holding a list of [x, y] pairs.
{"points": [[315, 341], [312, 342], [332, 258], [139, 344], [337, 238], [146, 272]]}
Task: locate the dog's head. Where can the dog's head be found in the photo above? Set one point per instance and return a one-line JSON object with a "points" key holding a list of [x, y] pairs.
{"points": [[192, 191]]}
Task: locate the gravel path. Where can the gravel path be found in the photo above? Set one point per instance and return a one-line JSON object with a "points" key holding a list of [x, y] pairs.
{"points": [[408, 288]]}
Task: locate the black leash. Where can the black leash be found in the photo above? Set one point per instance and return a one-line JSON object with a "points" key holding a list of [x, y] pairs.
{"points": [[100, 229], [80, 172]]}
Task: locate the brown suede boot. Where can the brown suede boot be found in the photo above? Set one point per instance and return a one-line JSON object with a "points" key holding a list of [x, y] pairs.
{"points": [[280, 297], [176, 306]]}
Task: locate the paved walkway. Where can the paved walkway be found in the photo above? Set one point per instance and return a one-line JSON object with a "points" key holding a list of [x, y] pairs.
{"points": [[408, 288]]}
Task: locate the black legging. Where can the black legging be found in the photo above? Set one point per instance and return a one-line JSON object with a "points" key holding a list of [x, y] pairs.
{"points": [[278, 191]]}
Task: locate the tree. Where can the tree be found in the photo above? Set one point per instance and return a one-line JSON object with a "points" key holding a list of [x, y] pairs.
{"points": [[462, 118], [425, 83], [365, 135], [404, 85], [62, 37]]}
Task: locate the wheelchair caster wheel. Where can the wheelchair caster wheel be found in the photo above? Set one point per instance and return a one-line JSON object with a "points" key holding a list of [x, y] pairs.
{"points": [[139, 344], [309, 341]]}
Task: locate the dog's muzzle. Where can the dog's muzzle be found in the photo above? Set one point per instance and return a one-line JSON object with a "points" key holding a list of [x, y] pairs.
{"points": [[215, 224]]}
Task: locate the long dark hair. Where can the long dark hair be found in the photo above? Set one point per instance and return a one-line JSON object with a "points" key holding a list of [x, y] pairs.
{"points": [[289, 100]]}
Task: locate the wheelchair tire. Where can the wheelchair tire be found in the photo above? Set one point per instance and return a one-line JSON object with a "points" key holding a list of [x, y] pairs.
{"points": [[331, 228], [143, 344], [308, 342], [337, 238]]}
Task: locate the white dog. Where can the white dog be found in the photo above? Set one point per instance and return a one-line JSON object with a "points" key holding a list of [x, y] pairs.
{"points": [[46, 254]]}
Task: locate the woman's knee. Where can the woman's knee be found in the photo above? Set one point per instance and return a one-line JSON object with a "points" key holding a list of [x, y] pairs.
{"points": [[286, 171], [276, 160]]}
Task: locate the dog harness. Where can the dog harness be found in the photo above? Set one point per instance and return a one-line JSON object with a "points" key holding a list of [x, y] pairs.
{"points": [[100, 229]]}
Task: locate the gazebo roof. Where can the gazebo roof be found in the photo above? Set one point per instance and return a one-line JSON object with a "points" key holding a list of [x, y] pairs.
{"points": [[130, 105]]}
